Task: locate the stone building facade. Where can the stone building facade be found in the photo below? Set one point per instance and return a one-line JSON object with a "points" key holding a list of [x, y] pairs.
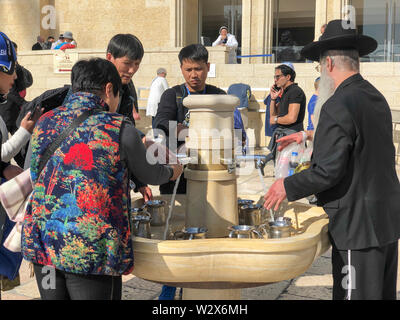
{"points": [[164, 26]]}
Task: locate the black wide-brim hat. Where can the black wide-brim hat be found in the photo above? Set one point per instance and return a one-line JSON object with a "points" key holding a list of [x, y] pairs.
{"points": [[338, 35]]}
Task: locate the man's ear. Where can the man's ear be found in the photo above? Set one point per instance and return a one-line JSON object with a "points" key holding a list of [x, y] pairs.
{"points": [[329, 63], [208, 66], [109, 56], [109, 90]]}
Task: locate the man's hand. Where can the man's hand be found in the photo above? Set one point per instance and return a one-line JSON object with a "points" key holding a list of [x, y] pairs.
{"points": [[286, 140], [30, 124], [275, 195], [178, 169], [135, 115], [275, 93], [146, 193], [12, 171]]}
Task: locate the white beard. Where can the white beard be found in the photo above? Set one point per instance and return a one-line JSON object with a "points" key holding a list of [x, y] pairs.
{"points": [[326, 90]]}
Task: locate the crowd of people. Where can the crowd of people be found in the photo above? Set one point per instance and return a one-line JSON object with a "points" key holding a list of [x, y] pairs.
{"points": [[84, 149], [65, 41]]}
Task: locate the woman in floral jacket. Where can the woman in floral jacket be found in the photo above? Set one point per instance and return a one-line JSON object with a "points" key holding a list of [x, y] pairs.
{"points": [[76, 224]]}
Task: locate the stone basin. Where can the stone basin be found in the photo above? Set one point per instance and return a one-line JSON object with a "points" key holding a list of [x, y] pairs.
{"points": [[225, 263]]}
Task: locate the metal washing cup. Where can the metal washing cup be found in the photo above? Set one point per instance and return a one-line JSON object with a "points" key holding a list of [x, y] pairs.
{"points": [[280, 228], [241, 203], [244, 232], [141, 225], [251, 215], [156, 208], [191, 233]]}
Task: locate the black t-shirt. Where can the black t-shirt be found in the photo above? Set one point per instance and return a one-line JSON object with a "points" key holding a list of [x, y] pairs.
{"points": [[168, 109], [293, 94]]}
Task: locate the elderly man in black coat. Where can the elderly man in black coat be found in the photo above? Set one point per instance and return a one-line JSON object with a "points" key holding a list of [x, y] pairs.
{"points": [[352, 170]]}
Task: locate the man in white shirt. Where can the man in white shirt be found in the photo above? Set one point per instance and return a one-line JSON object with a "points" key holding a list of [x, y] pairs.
{"points": [[228, 40], [158, 86]]}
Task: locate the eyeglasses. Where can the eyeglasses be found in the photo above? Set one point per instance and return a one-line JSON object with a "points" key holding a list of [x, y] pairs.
{"points": [[278, 76]]}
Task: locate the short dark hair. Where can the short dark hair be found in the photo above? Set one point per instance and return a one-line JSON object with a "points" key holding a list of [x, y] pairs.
{"points": [[15, 45], [93, 75], [50, 37], [195, 52], [287, 71], [122, 45]]}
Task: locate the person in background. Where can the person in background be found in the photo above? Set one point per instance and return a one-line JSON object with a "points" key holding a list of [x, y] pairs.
{"points": [[48, 43], [77, 221], [67, 44], [323, 27], [157, 88], [60, 40], [39, 43], [311, 105], [227, 40], [352, 171], [288, 114]]}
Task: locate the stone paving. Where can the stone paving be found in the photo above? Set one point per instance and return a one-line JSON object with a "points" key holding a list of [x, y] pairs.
{"points": [[315, 284]]}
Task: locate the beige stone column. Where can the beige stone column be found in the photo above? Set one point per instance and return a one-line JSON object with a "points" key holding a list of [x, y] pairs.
{"points": [[257, 28], [20, 21]]}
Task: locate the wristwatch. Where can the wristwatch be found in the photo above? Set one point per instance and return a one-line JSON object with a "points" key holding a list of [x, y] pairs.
{"points": [[276, 120]]}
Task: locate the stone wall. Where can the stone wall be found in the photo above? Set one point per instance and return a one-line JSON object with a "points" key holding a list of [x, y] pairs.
{"points": [[385, 76]]}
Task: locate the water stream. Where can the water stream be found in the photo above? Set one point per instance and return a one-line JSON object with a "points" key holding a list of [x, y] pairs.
{"points": [[265, 191]]}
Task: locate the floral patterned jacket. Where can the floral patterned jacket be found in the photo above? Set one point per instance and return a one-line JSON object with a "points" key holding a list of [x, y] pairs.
{"points": [[77, 217]]}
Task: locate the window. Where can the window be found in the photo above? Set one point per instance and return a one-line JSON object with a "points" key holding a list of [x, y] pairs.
{"points": [[294, 26], [380, 20], [215, 14]]}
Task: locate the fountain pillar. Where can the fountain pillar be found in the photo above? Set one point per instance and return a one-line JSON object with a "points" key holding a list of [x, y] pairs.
{"points": [[211, 184]]}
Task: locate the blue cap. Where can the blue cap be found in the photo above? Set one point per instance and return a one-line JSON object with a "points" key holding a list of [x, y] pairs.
{"points": [[8, 58]]}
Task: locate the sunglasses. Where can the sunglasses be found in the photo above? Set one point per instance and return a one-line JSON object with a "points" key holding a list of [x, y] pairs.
{"points": [[277, 77]]}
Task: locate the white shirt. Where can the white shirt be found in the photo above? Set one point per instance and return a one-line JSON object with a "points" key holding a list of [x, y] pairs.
{"points": [[10, 147], [158, 86], [231, 44]]}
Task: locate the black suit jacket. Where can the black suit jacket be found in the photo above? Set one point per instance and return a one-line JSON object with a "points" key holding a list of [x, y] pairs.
{"points": [[353, 168]]}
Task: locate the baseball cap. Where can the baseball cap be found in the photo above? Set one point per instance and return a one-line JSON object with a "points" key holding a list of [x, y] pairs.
{"points": [[8, 58]]}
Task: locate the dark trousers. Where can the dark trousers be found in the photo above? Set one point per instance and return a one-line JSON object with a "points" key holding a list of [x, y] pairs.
{"points": [[372, 274], [71, 286]]}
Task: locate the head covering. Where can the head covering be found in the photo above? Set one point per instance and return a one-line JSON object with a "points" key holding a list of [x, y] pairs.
{"points": [[338, 35], [68, 35], [161, 70], [8, 58], [289, 64], [223, 27]]}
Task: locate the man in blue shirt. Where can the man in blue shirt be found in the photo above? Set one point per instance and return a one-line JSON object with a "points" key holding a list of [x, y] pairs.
{"points": [[311, 105]]}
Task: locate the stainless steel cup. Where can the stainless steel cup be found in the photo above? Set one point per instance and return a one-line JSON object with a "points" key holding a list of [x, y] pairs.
{"points": [[157, 210], [244, 232], [141, 225], [280, 228], [241, 203], [252, 214], [191, 233]]}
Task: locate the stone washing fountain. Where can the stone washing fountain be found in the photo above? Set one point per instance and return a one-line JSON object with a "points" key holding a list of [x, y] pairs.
{"points": [[217, 267]]}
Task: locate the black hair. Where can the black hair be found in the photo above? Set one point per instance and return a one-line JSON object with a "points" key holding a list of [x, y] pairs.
{"points": [[122, 45], [287, 71], [195, 52], [15, 45], [50, 37], [93, 75]]}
